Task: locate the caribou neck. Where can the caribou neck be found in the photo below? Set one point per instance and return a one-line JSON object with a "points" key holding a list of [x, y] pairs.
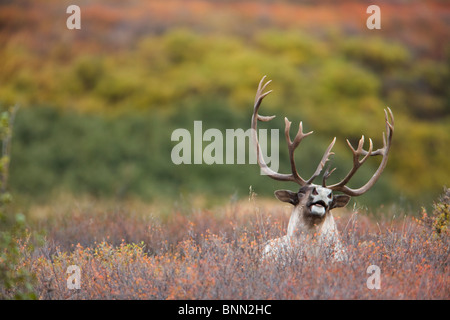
{"points": [[301, 225]]}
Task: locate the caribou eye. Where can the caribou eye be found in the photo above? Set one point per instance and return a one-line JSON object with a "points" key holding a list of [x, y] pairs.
{"points": [[314, 192]]}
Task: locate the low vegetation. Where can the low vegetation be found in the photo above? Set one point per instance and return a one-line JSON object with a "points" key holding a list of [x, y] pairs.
{"points": [[215, 254]]}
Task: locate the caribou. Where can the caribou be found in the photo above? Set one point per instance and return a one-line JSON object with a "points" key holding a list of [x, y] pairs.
{"points": [[312, 228]]}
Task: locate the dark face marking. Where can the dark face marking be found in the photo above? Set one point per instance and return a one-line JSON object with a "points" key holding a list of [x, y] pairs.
{"points": [[316, 199]]}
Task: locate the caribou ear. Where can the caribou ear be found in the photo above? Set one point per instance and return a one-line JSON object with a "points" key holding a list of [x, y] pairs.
{"points": [[287, 196], [339, 201]]}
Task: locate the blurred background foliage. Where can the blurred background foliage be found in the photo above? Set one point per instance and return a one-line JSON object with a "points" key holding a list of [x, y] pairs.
{"points": [[98, 105]]}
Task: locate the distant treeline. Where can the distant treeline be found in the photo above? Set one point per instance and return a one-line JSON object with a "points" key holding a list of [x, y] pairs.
{"points": [[110, 117]]}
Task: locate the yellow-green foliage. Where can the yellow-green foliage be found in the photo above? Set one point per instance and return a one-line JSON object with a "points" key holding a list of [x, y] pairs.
{"points": [[439, 221]]}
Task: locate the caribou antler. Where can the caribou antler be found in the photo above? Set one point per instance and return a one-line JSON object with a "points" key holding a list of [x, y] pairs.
{"points": [[341, 186], [292, 145]]}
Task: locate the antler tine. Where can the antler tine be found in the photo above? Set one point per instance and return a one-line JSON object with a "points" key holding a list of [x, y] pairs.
{"points": [[356, 162], [261, 88], [326, 175], [323, 161], [258, 99], [388, 115], [384, 152], [255, 117], [293, 145]]}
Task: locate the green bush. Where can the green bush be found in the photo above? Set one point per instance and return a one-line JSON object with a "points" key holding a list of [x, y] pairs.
{"points": [[16, 281], [438, 222]]}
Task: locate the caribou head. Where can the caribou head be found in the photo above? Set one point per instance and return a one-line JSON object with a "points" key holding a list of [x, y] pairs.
{"points": [[311, 216]]}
